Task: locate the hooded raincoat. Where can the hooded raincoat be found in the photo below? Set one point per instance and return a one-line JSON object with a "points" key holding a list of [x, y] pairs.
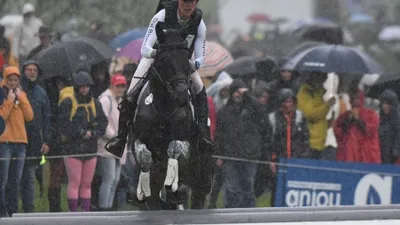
{"points": [[84, 120], [358, 139], [389, 129], [15, 113], [39, 129]]}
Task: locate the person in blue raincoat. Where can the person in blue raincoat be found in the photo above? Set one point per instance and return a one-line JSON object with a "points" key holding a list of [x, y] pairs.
{"points": [[38, 130]]}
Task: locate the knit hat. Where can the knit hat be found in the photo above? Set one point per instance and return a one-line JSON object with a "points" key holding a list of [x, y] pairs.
{"points": [[284, 94], [236, 85]]}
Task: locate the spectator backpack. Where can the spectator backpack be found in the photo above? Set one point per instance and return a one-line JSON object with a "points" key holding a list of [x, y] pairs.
{"points": [[68, 92]]}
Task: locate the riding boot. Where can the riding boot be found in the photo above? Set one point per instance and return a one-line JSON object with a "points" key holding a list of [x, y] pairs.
{"points": [[116, 145], [201, 111]]}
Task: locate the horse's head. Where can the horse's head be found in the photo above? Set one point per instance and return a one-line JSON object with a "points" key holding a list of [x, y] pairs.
{"points": [[171, 67]]}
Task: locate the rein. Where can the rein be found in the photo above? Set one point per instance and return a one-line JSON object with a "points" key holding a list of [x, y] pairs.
{"points": [[168, 82], [164, 81]]}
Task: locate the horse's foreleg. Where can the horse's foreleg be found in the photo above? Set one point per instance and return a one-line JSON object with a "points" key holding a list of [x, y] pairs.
{"points": [[144, 157], [175, 150]]}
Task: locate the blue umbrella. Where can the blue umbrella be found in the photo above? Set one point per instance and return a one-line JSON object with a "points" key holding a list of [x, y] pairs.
{"points": [[361, 18], [124, 38], [333, 58]]}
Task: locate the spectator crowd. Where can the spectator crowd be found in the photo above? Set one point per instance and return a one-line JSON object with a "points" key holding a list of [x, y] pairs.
{"points": [[71, 121]]}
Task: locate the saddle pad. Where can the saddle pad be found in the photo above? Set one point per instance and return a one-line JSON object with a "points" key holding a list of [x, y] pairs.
{"points": [[141, 102], [145, 102]]}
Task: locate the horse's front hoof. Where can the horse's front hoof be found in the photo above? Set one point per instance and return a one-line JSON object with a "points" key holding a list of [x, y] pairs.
{"points": [[140, 196]]}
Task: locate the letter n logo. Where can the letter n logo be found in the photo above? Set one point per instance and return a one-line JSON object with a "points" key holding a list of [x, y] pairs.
{"points": [[373, 189]]}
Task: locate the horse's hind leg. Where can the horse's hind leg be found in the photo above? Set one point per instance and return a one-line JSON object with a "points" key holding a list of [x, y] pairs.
{"points": [[144, 157], [176, 150]]}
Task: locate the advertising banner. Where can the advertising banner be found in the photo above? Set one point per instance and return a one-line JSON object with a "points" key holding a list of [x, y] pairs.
{"points": [[304, 183]]}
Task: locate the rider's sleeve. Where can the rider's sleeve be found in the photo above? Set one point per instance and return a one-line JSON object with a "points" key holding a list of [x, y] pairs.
{"points": [[151, 36], [200, 44]]}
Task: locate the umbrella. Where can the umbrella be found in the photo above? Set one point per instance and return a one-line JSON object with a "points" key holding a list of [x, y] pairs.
{"points": [[304, 46], [361, 18], [258, 18], [217, 58], [390, 33], [132, 50], [329, 33], [333, 58], [10, 22], [64, 58], [253, 67], [387, 81], [124, 38], [299, 24], [242, 66]]}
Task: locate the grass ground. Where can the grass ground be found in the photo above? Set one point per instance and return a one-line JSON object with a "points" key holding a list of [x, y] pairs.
{"points": [[42, 204]]}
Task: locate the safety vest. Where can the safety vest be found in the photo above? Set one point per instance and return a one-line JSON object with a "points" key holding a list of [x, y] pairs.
{"points": [[68, 92], [171, 22]]}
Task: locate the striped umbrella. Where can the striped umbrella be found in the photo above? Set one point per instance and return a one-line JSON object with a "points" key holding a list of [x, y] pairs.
{"points": [[217, 58]]}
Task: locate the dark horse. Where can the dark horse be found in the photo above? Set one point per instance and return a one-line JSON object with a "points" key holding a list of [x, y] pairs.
{"points": [[164, 137]]}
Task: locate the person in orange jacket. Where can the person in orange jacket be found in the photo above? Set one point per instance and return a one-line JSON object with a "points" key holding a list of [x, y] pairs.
{"points": [[15, 110]]}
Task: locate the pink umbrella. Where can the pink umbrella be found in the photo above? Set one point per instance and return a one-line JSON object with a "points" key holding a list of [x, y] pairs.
{"points": [[217, 58], [132, 50]]}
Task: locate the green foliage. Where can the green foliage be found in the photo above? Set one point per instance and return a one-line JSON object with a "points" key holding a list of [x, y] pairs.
{"points": [[119, 16]]}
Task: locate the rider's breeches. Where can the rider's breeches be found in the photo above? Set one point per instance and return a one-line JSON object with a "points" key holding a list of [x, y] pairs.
{"points": [[144, 66]]}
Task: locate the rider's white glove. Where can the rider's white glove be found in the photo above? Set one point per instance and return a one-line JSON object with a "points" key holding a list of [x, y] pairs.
{"points": [[195, 65]]}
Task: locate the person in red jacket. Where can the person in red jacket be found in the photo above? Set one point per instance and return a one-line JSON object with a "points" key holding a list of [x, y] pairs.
{"points": [[357, 133], [212, 115]]}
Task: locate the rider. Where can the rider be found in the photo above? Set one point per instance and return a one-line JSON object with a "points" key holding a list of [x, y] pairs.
{"points": [[175, 15]]}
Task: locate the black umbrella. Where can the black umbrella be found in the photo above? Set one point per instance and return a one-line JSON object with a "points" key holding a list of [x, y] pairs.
{"points": [[327, 33], [333, 58], [250, 67], [387, 81], [304, 46], [65, 58]]}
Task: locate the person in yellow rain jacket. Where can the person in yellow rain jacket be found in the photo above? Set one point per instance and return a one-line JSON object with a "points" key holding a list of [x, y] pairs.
{"points": [[15, 110], [310, 102]]}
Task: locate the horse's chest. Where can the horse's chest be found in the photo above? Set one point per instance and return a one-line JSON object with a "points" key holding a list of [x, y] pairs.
{"points": [[145, 113]]}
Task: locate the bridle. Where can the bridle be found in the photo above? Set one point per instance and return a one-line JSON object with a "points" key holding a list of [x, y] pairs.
{"points": [[168, 82]]}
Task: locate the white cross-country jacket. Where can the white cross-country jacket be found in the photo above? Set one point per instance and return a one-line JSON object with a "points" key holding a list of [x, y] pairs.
{"points": [[151, 38]]}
